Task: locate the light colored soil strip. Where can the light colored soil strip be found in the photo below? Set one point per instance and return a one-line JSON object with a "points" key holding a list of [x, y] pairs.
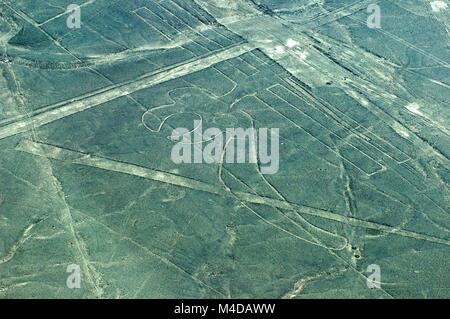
{"points": [[73, 157], [115, 92]]}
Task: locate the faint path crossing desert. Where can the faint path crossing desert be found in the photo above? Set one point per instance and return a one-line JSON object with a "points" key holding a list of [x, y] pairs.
{"points": [[51, 114]]}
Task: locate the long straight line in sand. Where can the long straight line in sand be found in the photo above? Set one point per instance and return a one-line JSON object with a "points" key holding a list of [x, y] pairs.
{"points": [[74, 157], [117, 91]]}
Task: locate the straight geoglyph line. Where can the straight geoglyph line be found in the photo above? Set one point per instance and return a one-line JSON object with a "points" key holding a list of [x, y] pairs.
{"points": [[75, 157], [103, 96]]}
